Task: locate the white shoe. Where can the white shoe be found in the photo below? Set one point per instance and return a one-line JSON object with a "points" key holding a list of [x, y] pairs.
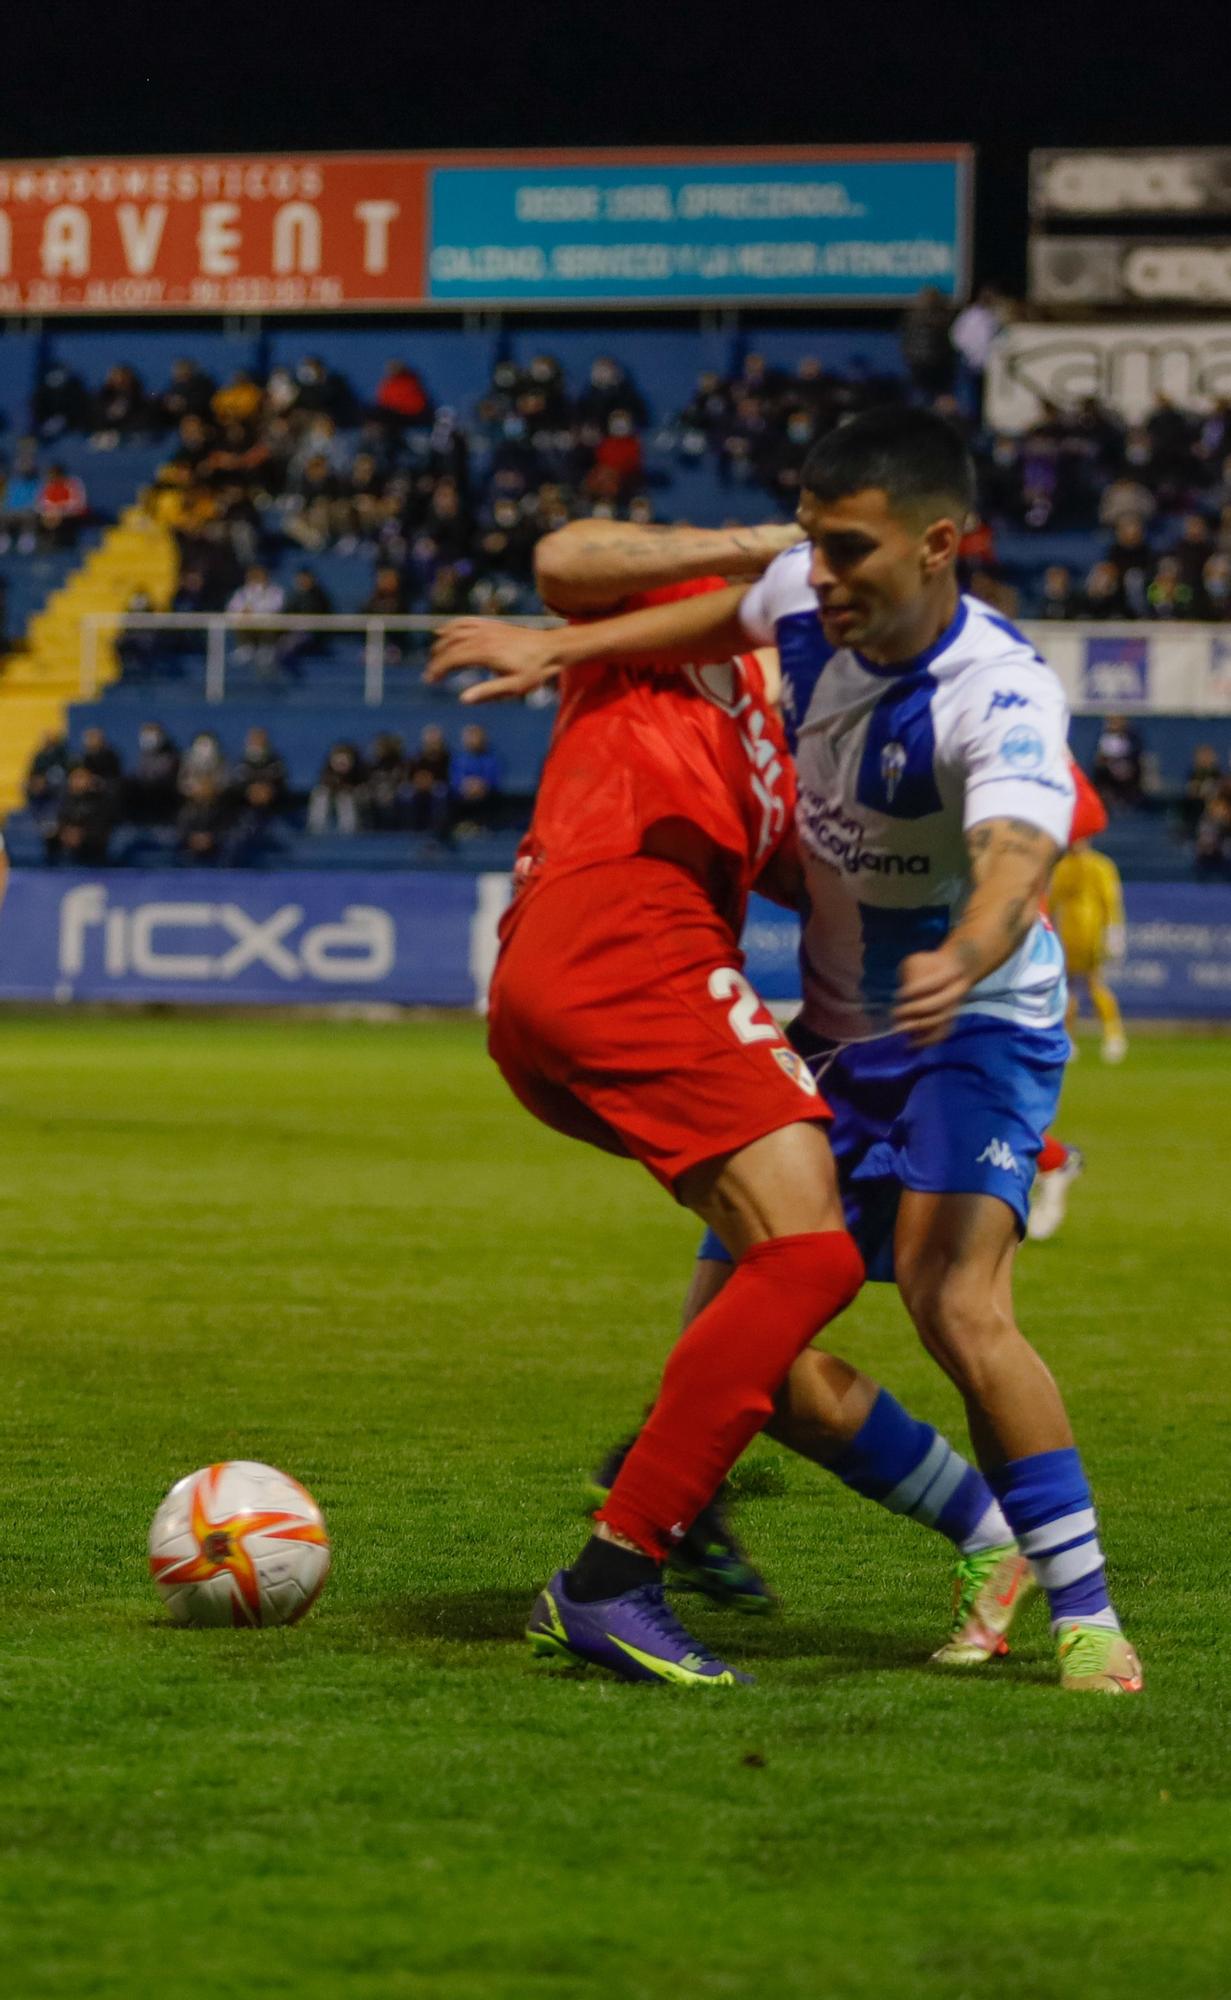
{"points": [[1115, 1048], [1051, 1197]]}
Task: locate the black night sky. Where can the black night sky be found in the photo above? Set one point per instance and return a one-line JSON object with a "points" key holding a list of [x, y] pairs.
{"points": [[138, 78]]}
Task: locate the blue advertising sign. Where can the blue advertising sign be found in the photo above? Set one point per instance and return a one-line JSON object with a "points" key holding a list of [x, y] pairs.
{"points": [[424, 939], [841, 229], [251, 938], [1115, 671]]}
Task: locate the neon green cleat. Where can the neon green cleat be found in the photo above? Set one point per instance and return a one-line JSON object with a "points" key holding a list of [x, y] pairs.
{"points": [[1095, 1659], [989, 1590]]}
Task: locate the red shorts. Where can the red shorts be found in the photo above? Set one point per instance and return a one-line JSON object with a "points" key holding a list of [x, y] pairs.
{"points": [[619, 1014]]}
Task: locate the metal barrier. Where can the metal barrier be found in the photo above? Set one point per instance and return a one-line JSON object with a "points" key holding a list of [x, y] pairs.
{"points": [[216, 625]]}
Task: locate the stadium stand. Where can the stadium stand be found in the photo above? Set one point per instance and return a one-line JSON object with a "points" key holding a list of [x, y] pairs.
{"points": [[348, 472]]}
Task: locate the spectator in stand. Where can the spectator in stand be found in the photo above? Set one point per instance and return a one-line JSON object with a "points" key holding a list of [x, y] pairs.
{"points": [[188, 393], [46, 776], [1118, 764], [1212, 843], [543, 398], [1203, 783], [151, 788], [1171, 435], [61, 402], [971, 335], [478, 771], [401, 399], [1126, 499], [1104, 596], [780, 461], [237, 402], [258, 781], [1194, 548], [390, 596], [1129, 553], [102, 760], [204, 823], [1213, 597], [926, 348], [61, 508], [258, 596], [386, 780], [84, 819], [1168, 595], [121, 410], [306, 598], [428, 772], [704, 418], [202, 759], [1059, 599], [321, 391], [19, 506], [339, 797], [609, 390], [618, 470], [314, 489]]}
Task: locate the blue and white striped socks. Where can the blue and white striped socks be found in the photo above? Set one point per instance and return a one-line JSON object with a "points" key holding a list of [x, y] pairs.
{"points": [[1048, 1505], [908, 1467]]}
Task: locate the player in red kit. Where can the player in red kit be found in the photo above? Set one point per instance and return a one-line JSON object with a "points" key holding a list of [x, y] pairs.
{"points": [[619, 1014]]}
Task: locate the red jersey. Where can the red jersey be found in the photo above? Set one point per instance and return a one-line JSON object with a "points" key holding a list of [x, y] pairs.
{"points": [[1089, 812], [688, 764]]}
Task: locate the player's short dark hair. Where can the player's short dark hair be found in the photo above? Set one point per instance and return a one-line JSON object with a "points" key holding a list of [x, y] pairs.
{"points": [[913, 456]]}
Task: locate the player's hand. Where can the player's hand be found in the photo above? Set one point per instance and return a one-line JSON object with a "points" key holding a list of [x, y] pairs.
{"points": [[519, 657], [1116, 944], [931, 988]]}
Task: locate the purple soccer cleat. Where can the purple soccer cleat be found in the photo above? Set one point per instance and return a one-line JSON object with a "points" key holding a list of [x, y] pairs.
{"points": [[635, 1635]]}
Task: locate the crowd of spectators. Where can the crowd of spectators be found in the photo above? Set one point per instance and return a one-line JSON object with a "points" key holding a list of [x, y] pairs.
{"points": [[209, 811], [447, 510], [447, 504]]}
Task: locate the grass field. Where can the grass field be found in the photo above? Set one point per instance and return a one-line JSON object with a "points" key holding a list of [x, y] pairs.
{"points": [[343, 1249]]}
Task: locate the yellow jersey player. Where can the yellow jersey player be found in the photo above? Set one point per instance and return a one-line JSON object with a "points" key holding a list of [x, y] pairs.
{"points": [[1087, 908]]}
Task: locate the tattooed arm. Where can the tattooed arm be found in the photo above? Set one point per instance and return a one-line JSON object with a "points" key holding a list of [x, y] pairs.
{"points": [[590, 566], [1010, 862]]}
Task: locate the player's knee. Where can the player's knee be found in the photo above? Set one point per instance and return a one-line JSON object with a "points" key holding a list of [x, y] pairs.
{"points": [[960, 1324]]}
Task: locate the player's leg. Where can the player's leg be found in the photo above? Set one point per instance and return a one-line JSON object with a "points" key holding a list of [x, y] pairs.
{"points": [[954, 1256], [1107, 1007], [776, 1203], [628, 993], [842, 1421]]}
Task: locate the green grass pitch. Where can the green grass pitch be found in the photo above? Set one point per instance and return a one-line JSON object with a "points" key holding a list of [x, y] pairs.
{"points": [[345, 1249]]}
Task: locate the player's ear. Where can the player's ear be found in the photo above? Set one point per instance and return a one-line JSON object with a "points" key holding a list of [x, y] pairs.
{"points": [[940, 546]]}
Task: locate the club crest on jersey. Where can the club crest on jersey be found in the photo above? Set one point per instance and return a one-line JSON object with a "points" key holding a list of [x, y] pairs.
{"points": [[893, 767], [795, 1067], [1023, 748]]}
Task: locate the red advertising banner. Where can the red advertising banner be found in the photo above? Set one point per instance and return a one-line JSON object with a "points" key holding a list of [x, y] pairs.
{"points": [[211, 235]]}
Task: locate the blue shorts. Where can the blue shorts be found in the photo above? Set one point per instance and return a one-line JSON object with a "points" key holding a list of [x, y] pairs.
{"points": [[965, 1117]]}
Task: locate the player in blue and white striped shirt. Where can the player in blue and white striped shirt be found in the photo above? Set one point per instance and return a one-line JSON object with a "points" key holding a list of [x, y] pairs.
{"points": [[934, 799]]}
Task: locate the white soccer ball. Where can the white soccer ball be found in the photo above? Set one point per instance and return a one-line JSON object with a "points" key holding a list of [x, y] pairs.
{"points": [[238, 1544]]}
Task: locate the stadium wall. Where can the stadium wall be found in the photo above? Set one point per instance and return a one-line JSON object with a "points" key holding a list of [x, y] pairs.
{"points": [[232, 937]]}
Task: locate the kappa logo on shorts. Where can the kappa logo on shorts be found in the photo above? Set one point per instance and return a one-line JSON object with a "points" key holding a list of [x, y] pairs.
{"points": [[796, 1068], [1000, 1154]]}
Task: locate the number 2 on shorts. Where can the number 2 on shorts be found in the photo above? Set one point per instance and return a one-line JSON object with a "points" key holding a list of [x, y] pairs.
{"points": [[725, 983]]}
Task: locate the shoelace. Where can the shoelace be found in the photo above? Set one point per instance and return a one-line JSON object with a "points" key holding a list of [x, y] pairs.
{"points": [[659, 1614]]}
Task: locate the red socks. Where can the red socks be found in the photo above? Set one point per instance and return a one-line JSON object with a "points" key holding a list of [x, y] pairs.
{"points": [[1052, 1155], [720, 1380]]}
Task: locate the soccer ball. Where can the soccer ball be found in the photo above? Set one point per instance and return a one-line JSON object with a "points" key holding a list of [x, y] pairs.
{"points": [[238, 1544]]}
